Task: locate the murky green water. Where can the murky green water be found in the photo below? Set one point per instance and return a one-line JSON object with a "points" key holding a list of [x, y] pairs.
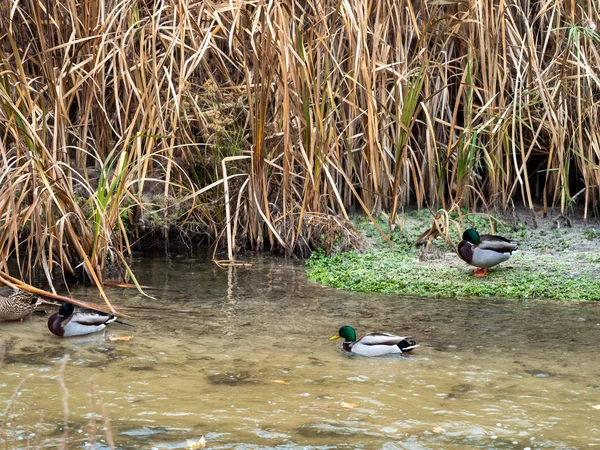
{"points": [[242, 357]]}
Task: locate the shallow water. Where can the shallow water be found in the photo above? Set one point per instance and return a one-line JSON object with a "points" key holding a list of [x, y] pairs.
{"points": [[242, 357]]}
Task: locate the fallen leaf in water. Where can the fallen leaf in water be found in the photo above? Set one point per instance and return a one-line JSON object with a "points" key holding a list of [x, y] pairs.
{"points": [[348, 405], [279, 382], [200, 443], [120, 338], [438, 430], [596, 406]]}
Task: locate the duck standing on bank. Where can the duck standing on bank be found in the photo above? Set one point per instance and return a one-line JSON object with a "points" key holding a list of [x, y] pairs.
{"points": [[484, 251], [72, 320], [374, 344]]}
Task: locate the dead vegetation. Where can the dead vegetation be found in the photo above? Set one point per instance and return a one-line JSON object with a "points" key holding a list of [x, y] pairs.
{"points": [[265, 124]]}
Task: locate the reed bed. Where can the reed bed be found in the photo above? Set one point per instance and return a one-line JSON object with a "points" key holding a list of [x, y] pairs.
{"points": [[253, 123]]}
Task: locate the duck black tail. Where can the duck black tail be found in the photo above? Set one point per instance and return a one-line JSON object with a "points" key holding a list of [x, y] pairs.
{"points": [[128, 324], [406, 345]]}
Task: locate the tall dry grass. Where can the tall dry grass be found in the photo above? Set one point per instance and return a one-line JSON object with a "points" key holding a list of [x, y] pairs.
{"points": [[258, 121]]}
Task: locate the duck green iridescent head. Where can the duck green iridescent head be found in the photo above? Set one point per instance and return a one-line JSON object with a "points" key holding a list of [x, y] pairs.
{"points": [[471, 236], [346, 332], [66, 310]]}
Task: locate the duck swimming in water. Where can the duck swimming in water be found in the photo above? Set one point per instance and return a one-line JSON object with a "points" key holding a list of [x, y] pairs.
{"points": [[72, 320], [17, 305], [484, 251], [374, 344]]}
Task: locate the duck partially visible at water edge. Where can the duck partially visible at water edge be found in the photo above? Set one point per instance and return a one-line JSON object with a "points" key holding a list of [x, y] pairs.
{"points": [[72, 320], [374, 344], [17, 305], [484, 251]]}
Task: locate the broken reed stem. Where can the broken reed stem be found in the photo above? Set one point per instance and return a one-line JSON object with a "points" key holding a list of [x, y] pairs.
{"points": [[230, 238], [65, 398], [92, 428], [107, 428], [9, 408], [15, 394]]}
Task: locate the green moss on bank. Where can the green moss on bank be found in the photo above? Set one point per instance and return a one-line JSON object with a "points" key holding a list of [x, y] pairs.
{"points": [[557, 264]]}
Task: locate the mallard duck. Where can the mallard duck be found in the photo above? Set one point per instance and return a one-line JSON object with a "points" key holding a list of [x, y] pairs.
{"points": [[17, 305], [72, 320], [484, 251], [374, 344]]}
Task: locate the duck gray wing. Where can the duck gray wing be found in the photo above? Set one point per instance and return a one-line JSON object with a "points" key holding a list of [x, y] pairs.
{"points": [[380, 338], [90, 317], [496, 243], [380, 341]]}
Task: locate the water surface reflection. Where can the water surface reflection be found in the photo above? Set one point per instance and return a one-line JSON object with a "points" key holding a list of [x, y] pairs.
{"points": [[243, 358]]}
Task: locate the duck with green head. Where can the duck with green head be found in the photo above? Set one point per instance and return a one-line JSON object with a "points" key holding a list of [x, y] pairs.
{"points": [[374, 344], [73, 320], [484, 251]]}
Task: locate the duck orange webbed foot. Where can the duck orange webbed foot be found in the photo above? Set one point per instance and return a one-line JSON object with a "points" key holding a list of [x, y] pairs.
{"points": [[479, 273]]}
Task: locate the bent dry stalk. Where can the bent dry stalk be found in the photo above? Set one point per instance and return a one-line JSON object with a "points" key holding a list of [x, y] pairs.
{"points": [[112, 128]]}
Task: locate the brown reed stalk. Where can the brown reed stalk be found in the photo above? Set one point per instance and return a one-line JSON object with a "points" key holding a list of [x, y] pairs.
{"points": [[8, 409], [60, 378], [115, 118], [92, 427], [108, 428]]}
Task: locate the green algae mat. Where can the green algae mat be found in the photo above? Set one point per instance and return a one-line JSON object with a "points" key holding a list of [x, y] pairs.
{"points": [[553, 261]]}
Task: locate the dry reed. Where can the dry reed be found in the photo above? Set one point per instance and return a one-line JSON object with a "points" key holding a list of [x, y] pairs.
{"points": [[116, 114]]}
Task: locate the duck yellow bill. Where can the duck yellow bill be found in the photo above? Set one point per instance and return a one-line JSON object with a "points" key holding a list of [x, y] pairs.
{"points": [[337, 336]]}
